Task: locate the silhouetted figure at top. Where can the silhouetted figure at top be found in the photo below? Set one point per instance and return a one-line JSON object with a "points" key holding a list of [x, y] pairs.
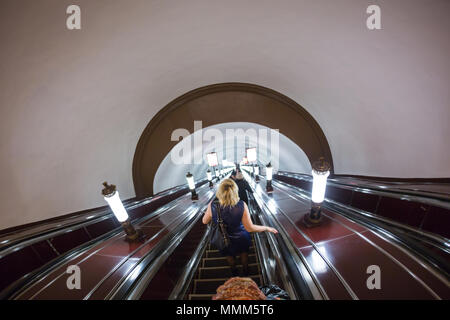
{"points": [[242, 184]]}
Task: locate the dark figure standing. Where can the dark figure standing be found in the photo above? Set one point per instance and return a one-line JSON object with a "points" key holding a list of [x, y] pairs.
{"points": [[242, 184]]}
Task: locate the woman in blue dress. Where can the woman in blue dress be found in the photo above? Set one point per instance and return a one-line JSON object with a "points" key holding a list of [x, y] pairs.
{"points": [[236, 217]]}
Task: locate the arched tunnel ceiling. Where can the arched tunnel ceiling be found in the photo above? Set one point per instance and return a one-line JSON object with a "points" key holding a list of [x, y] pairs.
{"points": [[171, 173], [74, 103]]}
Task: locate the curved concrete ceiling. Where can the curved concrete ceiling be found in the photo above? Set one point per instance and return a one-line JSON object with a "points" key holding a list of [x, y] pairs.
{"points": [[74, 103], [171, 173]]}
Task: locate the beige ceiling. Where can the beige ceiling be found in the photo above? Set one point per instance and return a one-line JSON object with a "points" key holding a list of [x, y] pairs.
{"points": [[74, 103]]}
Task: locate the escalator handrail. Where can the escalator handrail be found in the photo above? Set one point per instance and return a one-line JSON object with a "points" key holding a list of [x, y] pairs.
{"points": [[436, 239], [394, 234], [310, 289], [416, 196], [298, 268], [287, 281], [135, 283], [25, 281], [188, 273], [14, 242]]}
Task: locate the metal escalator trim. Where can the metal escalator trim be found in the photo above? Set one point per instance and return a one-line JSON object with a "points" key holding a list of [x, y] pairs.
{"points": [[308, 276], [78, 251], [166, 246], [105, 245], [327, 261], [422, 197], [439, 241], [185, 280], [262, 255], [305, 271], [130, 255], [396, 261], [261, 250], [15, 242], [382, 234], [360, 217], [435, 240], [288, 284]]}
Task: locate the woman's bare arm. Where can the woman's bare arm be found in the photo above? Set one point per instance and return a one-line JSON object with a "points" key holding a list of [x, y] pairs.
{"points": [[208, 215], [250, 227]]}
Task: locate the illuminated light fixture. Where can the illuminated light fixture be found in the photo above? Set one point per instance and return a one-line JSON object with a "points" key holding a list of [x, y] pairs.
{"points": [[244, 160], [269, 172], [191, 184], [212, 159], [320, 173], [257, 173], [251, 154], [217, 174], [111, 196], [209, 176]]}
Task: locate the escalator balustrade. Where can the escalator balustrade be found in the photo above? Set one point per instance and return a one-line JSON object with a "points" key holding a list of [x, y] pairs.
{"points": [[214, 270]]}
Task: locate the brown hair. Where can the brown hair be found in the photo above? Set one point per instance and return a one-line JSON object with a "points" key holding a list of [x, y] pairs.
{"points": [[227, 193]]}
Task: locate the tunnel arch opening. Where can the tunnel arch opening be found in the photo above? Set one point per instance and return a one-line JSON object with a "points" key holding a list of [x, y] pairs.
{"points": [[223, 103], [222, 139]]}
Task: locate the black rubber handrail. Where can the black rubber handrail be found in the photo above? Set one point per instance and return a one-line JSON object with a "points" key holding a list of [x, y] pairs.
{"points": [[12, 242], [437, 199], [396, 234], [26, 280]]}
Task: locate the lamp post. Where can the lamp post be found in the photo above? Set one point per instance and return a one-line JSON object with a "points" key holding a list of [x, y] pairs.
{"points": [[320, 173], [251, 157], [257, 173], [209, 176], [269, 171], [213, 162], [191, 184], [111, 195], [217, 174]]}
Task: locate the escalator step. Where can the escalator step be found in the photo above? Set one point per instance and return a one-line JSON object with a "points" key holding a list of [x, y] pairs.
{"points": [[216, 254], [225, 272], [208, 286], [222, 261], [211, 247]]}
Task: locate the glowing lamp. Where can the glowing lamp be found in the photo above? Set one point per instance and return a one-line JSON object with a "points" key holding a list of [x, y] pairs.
{"points": [[257, 173], [251, 154], [191, 183], [269, 171], [111, 195], [212, 159], [319, 185], [209, 176], [320, 173]]}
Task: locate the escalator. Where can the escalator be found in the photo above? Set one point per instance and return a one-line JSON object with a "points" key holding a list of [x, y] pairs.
{"points": [[337, 253], [271, 262], [176, 261], [29, 250], [109, 264], [214, 270]]}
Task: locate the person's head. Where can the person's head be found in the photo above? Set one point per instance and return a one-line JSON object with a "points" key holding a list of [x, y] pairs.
{"points": [[239, 175], [227, 193], [239, 289]]}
